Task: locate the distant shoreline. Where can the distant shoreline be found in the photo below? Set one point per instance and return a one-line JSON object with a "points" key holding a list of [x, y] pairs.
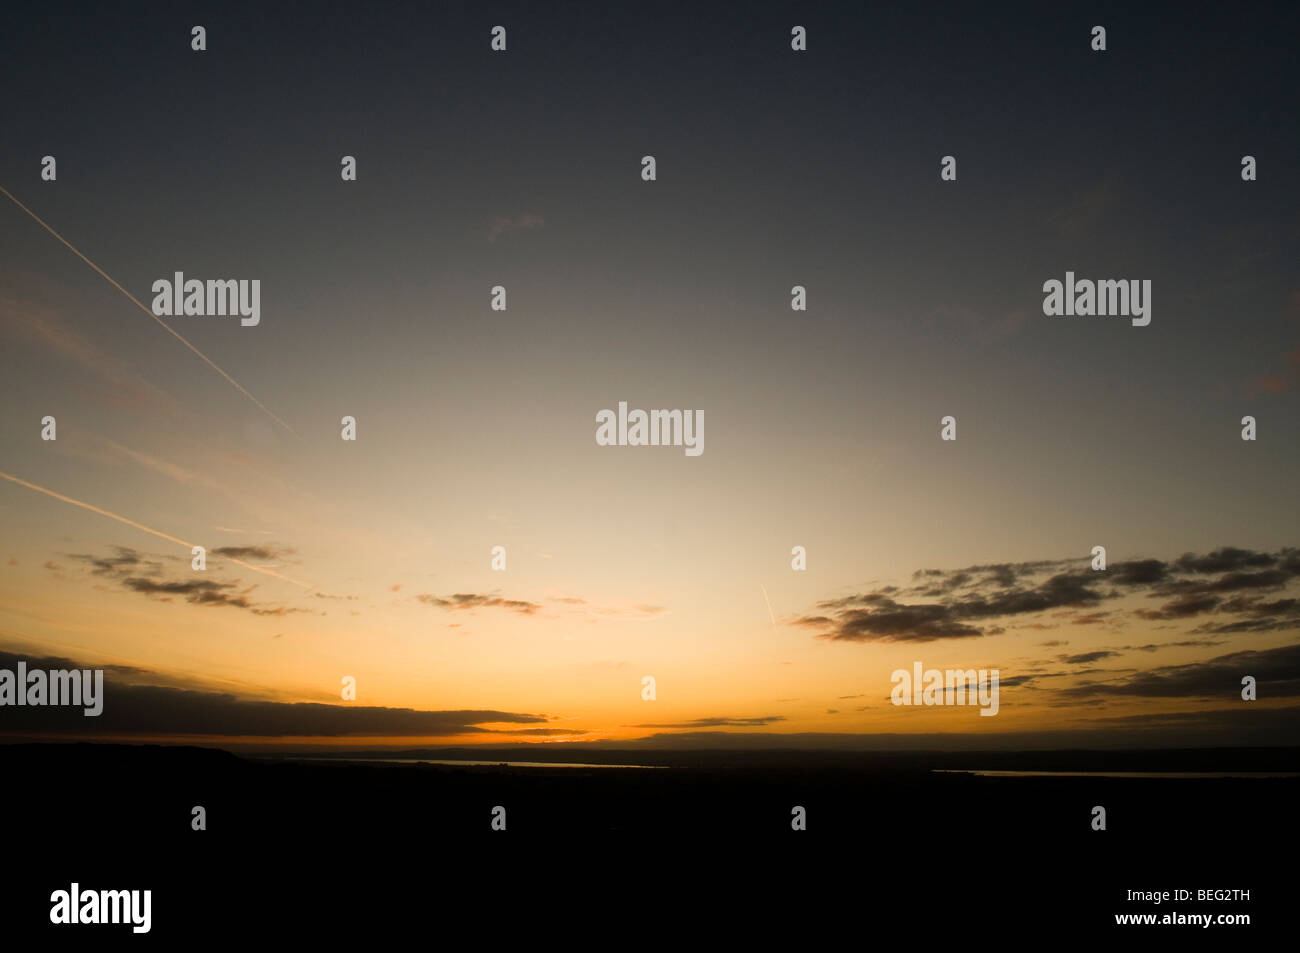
{"points": [[1117, 774], [457, 761]]}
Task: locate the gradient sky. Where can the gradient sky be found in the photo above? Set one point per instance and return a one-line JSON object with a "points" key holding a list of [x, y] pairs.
{"points": [[476, 427]]}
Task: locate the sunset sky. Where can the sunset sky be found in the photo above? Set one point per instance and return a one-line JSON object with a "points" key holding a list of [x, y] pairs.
{"points": [[476, 427]]}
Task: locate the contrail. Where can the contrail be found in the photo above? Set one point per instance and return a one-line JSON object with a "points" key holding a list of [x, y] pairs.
{"points": [[769, 603], [167, 327], [140, 526]]}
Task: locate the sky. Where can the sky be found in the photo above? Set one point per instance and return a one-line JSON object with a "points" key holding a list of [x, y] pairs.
{"points": [[371, 559]]}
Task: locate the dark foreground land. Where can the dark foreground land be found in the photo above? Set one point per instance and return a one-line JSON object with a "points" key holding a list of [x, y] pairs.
{"points": [[702, 848]]}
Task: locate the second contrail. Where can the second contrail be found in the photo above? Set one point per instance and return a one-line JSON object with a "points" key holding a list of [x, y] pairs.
{"points": [[145, 529]]}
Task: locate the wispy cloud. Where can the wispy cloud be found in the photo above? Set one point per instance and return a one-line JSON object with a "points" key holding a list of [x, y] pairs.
{"points": [[462, 601], [563, 604], [258, 552], [134, 572], [147, 709], [123, 386], [505, 226], [966, 603], [1286, 378], [1277, 671], [720, 722]]}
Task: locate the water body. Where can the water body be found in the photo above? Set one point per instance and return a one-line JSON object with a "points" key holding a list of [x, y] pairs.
{"points": [[509, 764], [1119, 774]]}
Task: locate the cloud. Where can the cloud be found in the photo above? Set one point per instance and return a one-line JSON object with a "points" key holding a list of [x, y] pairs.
{"points": [[1182, 608], [570, 604], [1186, 643], [471, 600], [541, 731], [1084, 657], [502, 225], [1277, 672], [140, 709], [887, 621], [260, 553], [1229, 582], [1225, 559], [1140, 572], [1283, 381], [1089, 618], [877, 617], [131, 571], [720, 722], [125, 558], [976, 600]]}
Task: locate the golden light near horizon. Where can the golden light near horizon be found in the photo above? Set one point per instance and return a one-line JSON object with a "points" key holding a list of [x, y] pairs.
{"points": [[446, 464]]}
